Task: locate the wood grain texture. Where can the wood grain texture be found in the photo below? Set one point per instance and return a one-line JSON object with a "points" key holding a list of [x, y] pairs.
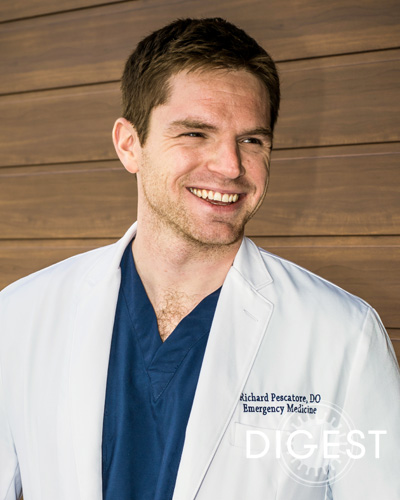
{"points": [[91, 45], [332, 191], [364, 266], [66, 201], [355, 102], [59, 126], [340, 100], [344, 191], [17, 9], [394, 333]]}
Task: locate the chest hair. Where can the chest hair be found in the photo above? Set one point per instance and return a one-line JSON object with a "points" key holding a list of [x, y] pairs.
{"points": [[171, 309]]}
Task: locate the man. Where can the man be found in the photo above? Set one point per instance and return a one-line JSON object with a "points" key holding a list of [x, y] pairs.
{"points": [[183, 361]]}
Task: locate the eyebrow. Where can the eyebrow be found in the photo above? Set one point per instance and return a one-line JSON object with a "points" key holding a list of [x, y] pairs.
{"points": [[195, 124], [188, 124], [259, 131]]}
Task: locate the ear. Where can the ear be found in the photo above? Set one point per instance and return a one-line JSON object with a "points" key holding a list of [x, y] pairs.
{"points": [[127, 145]]}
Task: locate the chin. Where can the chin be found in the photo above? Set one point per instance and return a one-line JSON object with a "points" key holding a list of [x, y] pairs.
{"points": [[216, 238]]}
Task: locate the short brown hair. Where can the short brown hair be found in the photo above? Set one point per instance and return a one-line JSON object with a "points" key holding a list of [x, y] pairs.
{"points": [[190, 44]]}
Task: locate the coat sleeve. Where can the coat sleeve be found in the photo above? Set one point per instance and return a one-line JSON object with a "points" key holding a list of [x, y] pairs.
{"points": [[373, 405], [10, 480]]}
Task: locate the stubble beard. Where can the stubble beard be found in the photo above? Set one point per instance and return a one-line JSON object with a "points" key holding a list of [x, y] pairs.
{"points": [[171, 219], [167, 220]]}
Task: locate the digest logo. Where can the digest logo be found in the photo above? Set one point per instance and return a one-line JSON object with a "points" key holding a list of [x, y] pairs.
{"points": [[314, 449]]}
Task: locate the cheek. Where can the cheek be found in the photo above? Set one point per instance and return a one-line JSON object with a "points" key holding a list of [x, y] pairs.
{"points": [[257, 172], [186, 161]]}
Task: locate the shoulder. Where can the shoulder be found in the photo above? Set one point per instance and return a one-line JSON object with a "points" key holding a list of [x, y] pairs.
{"points": [[66, 274], [66, 277], [305, 289], [287, 271], [307, 303]]}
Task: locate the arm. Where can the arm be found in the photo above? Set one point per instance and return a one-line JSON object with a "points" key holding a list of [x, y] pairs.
{"points": [[373, 404]]}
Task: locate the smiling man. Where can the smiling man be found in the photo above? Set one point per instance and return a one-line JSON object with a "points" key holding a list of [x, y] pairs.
{"points": [[202, 173], [184, 362]]}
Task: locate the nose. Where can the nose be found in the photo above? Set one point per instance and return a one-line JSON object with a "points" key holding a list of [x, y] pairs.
{"points": [[226, 160]]}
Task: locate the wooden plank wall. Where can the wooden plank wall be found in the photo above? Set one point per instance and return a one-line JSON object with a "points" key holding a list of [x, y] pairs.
{"points": [[334, 200]]}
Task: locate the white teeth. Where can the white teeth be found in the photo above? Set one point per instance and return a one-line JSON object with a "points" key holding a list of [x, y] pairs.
{"points": [[214, 195], [217, 197]]}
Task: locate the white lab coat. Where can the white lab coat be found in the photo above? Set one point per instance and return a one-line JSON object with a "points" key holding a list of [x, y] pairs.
{"points": [[278, 329]]}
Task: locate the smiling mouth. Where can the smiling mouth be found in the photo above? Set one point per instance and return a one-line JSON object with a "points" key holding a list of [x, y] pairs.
{"points": [[215, 197]]}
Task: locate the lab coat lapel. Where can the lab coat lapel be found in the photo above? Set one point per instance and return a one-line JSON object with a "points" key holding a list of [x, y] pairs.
{"points": [[238, 328], [89, 365]]}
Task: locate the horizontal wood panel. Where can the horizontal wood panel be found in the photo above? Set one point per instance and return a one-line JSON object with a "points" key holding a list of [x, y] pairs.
{"points": [[327, 195], [357, 102], [66, 201], [368, 267], [59, 126], [91, 45], [332, 191], [350, 150], [394, 333], [17, 9], [347, 100]]}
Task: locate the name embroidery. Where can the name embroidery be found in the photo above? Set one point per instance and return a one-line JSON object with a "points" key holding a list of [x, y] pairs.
{"points": [[294, 403]]}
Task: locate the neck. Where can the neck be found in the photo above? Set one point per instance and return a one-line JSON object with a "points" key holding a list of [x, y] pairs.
{"points": [[168, 262]]}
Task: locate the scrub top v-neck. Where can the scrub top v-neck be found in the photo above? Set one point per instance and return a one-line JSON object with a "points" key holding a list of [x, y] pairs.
{"points": [[150, 391]]}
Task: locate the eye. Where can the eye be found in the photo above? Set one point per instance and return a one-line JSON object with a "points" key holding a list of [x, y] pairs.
{"points": [[251, 140], [193, 134]]}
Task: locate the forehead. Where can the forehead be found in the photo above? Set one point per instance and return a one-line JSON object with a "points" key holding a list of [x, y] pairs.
{"points": [[223, 96]]}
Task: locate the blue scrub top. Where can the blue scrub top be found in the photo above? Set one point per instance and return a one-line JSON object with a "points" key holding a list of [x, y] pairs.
{"points": [[150, 391]]}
